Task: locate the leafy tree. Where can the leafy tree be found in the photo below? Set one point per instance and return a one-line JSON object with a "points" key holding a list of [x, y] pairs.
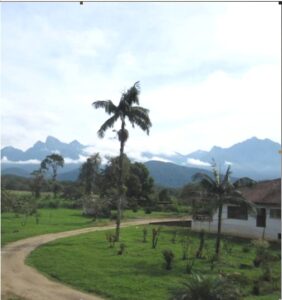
{"points": [[136, 115], [219, 191], [140, 186], [37, 182], [164, 196], [89, 173], [6, 200], [53, 161], [108, 184]]}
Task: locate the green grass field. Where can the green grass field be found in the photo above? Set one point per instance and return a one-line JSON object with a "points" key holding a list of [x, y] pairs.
{"points": [[89, 264], [51, 220]]}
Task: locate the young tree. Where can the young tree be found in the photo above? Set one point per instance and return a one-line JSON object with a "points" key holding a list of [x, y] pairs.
{"points": [[219, 190], [53, 161], [136, 115], [37, 182], [89, 173]]}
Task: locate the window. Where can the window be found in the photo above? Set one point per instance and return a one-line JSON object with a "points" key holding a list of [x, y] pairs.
{"points": [[275, 213], [237, 212]]}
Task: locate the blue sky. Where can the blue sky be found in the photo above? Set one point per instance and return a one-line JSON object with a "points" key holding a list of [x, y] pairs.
{"points": [[209, 72]]}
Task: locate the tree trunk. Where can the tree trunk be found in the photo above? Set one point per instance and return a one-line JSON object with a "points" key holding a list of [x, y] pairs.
{"points": [[120, 183], [217, 247]]}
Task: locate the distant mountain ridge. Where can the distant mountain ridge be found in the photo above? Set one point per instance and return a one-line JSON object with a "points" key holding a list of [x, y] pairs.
{"points": [[40, 150], [255, 158]]}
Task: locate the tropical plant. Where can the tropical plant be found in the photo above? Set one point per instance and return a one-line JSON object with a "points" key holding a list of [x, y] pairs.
{"points": [[199, 252], [155, 236], [202, 287], [145, 232], [168, 257], [185, 243], [218, 191], [121, 250], [53, 161], [111, 238], [89, 173], [136, 115]]}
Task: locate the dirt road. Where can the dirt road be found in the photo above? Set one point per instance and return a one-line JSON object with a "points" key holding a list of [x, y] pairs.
{"points": [[23, 281]]}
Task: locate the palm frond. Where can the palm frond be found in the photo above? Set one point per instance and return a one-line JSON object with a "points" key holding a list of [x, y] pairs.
{"points": [[108, 105], [226, 177], [131, 96], [108, 124], [236, 197], [145, 126], [139, 116], [216, 173]]}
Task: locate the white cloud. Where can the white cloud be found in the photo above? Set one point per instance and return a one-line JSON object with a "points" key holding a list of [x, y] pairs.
{"points": [[197, 162], [81, 159], [228, 163], [160, 159], [206, 78], [22, 162]]}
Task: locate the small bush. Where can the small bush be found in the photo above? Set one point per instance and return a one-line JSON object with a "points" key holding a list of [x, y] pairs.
{"points": [[155, 236], [111, 238], [246, 249], [121, 250], [173, 239], [189, 266], [199, 252], [145, 232], [168, 257]]}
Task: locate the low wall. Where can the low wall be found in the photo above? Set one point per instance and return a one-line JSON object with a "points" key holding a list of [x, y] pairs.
{"points": [[184, 223]]}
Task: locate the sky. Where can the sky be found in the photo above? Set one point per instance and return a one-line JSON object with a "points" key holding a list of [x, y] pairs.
{"points": [[210, 73]]}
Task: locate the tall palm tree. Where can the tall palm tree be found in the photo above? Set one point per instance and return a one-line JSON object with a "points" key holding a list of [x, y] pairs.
{"points": [[136, 115], [219, 191]]}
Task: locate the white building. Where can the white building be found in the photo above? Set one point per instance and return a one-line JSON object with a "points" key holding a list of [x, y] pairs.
{"points": [[237, 221]]}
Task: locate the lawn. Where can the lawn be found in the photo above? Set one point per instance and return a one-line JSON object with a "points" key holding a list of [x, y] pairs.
{"points": [[89, 264], [14, 227], [51, 220]]}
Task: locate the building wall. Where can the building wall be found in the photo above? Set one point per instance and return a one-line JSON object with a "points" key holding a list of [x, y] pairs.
{"points": [[243, 228]]}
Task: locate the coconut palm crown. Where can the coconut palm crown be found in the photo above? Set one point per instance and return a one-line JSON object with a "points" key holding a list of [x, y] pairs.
{"points": [[219, 191], [127, 109]]}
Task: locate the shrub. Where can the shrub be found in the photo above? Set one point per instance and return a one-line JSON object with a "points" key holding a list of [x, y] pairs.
{"points": [[111, 238], [246, 249], [168, 257], [173, 239], [262, 253], [145, 232], [256, 288], [147, 210], [185, 243], [155, 236], [121, 250], [199, 252], [189, 266], [203, 287]]}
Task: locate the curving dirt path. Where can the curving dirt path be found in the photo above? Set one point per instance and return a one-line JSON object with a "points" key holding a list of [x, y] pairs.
{"points": [[27, 283]]}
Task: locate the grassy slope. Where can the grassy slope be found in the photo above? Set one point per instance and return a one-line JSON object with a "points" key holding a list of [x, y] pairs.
{"points": [[87, 263], [56, 220]]}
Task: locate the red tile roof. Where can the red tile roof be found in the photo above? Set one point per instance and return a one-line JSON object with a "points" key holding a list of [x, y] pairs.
{"points": [[264, 192]]}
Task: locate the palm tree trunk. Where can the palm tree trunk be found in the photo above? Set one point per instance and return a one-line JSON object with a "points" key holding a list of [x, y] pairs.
{"points": [[217, 247], [120, 183]]}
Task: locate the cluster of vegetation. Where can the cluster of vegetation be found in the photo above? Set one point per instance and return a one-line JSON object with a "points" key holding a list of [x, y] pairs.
{"points": [[173, 265]]}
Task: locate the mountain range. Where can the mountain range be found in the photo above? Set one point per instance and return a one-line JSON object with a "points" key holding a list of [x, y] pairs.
{"points": [[256, 158]]}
